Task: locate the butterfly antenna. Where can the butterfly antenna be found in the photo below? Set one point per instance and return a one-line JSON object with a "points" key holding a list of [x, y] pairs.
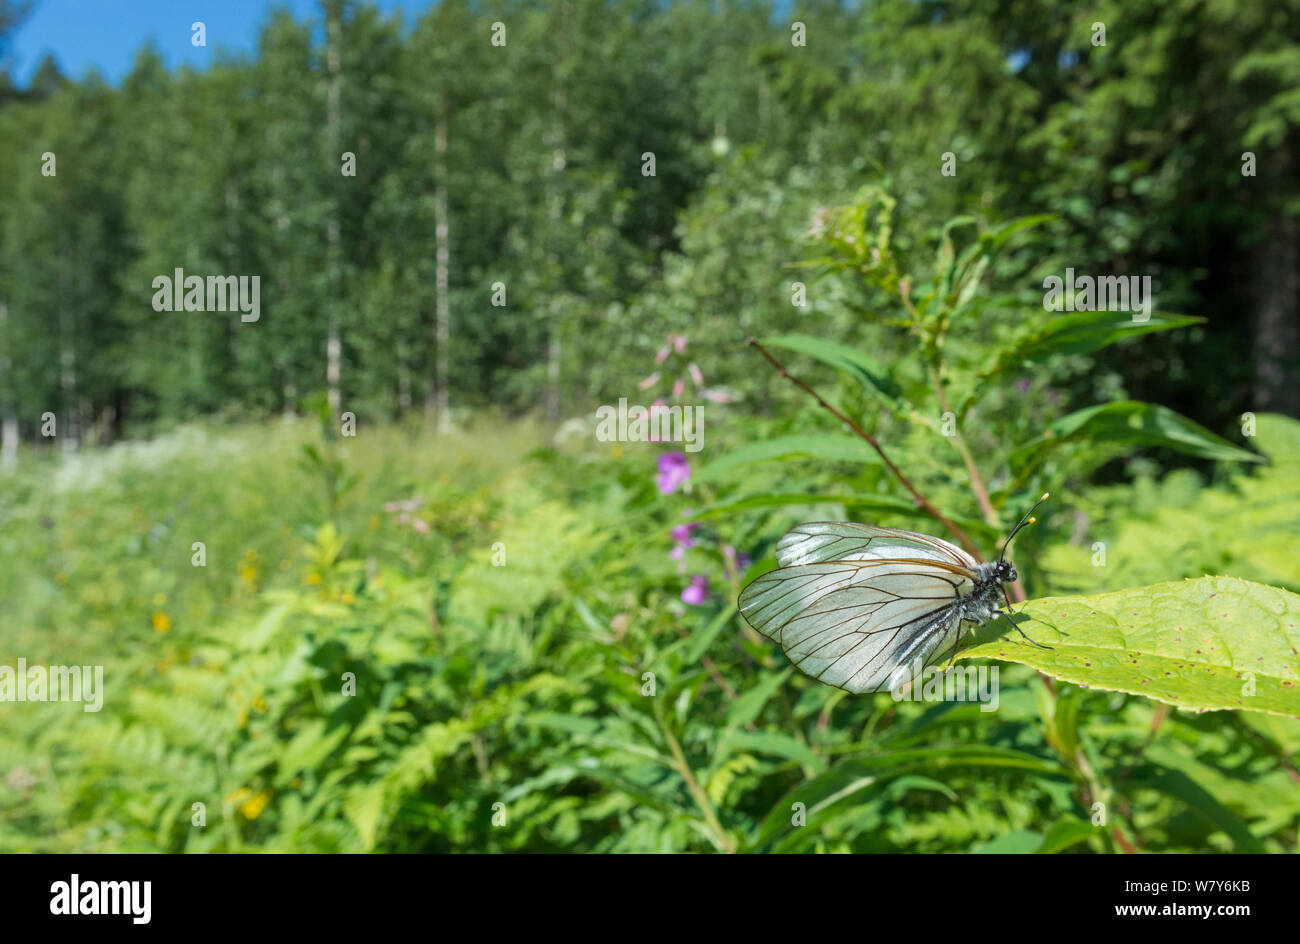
{"points": [[1023, 521]]}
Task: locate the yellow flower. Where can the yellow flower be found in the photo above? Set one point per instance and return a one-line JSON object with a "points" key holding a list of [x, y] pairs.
{"points": [[161, 623], [617, 451], [239, 796], [252, 809], [248, 572], [259, 704], [348, 598], [313, 578]]}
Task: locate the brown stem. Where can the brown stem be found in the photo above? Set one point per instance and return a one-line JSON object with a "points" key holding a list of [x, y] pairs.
{"points": [[1123, 843], [976, 480], [921, 501]]}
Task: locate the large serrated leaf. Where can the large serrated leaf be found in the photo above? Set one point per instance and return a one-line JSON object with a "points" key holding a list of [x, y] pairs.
{"points": [[1206, 644]]}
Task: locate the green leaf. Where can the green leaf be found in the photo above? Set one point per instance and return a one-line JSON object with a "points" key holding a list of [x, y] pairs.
{"points": [[828, 793], [773, 742], [701, 641], [862, 368], [1129, 423], [1198, 644], [746, 708], [820, 446], [875, 502], [1177, 784], [363, 807], [857, 503], [1065, 833], [1016, 842], [1085, 332], [995, 238]]}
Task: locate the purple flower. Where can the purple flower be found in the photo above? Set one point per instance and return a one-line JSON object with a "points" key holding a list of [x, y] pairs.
{"points": [[682, 541], [741, 560], [695, 593], [1023, 385], [674, 470]]}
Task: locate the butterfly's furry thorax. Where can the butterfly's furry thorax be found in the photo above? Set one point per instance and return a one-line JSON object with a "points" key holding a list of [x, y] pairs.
{"points": [[982, 603]]}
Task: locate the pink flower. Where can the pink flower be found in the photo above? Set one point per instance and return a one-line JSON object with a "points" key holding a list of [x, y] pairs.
{"points": [[662, 355], [716, 396], [649, 381], [682, 540], [679, 387], [420, 525], [674, 471], [741, 560], [695, 374], [695, 593], [679, 342]]}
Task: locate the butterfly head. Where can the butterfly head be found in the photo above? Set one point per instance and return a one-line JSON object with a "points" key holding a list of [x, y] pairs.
{"points": [[1004, 572]]}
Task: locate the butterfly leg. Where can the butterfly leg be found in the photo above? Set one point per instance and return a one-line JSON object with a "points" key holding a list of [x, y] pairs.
{"points": [[1012, 622], [955, 646], [1008, 618]]}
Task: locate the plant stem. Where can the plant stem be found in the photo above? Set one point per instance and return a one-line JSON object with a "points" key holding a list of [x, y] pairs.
{"points": [[976, 480], [921, 501], [701, 799]]}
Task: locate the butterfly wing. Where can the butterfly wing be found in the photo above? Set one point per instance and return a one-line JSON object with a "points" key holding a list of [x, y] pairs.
{"points": [[817, 542], [853, 623]]}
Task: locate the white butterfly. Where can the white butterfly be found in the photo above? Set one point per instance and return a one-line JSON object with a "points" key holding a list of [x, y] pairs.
{"points": [[855, 605]]}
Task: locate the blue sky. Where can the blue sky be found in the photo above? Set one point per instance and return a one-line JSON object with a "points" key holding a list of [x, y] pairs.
{"points": [[106, 34]]}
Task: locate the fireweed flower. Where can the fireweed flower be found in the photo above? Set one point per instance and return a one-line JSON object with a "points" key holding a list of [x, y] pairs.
{"points": [[682, 541], [674, 471], [696, 374], [649, 381], [736, 562], [696, 591]]}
